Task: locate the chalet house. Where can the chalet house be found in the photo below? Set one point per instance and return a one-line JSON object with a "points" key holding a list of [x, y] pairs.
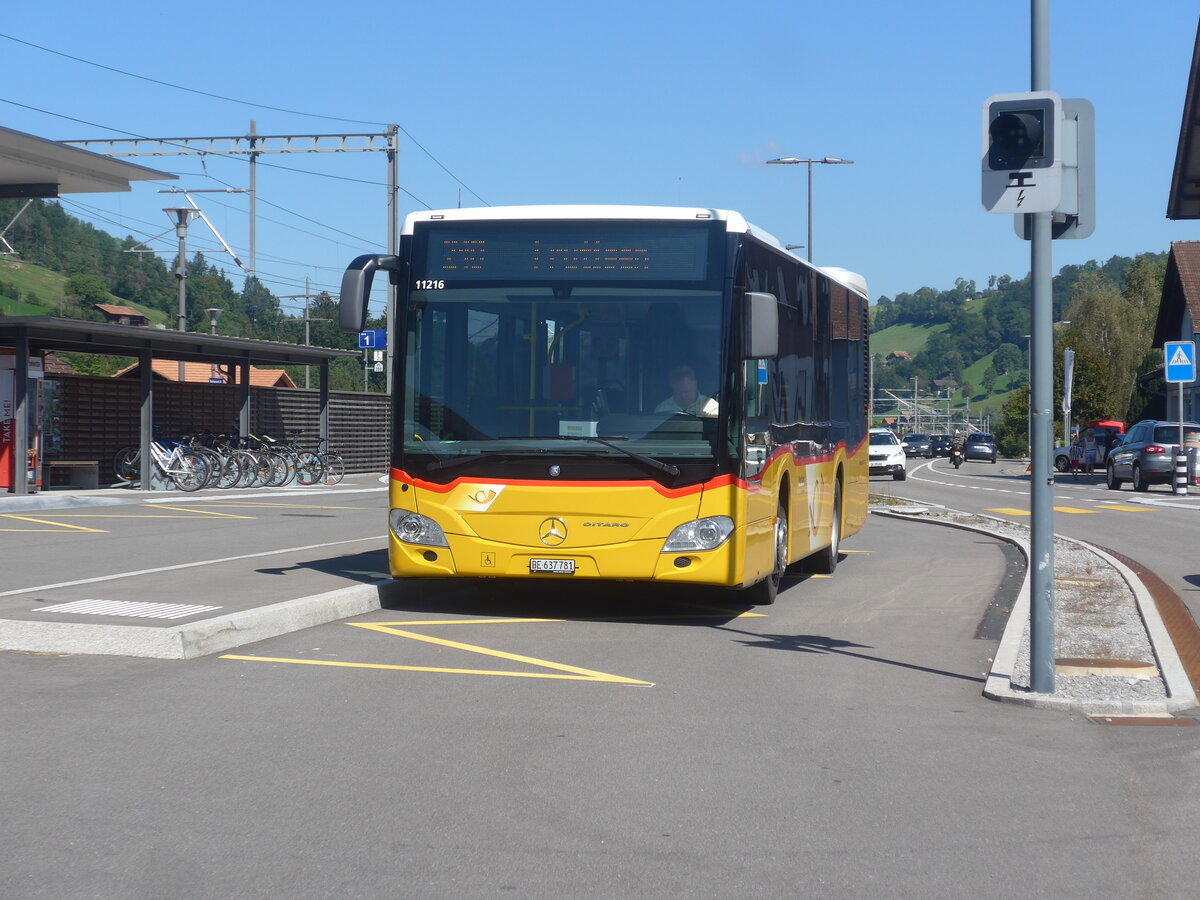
{"points": [[202, 373], [899, 354], [121, 315], [1179, 317]]}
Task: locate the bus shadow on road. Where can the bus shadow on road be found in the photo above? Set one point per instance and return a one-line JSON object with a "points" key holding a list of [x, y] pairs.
{"points": [[613, 601], [814, 643], [366, 567]]}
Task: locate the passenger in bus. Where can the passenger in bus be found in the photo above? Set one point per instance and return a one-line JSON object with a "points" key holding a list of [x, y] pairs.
{"points": [[685, 395]]}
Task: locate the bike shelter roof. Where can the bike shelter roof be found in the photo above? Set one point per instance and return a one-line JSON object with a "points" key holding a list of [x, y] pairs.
{"points": [[78, 336], [30, 335]]}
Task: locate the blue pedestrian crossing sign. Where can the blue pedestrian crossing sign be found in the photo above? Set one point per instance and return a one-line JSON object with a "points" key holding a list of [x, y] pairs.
{"points": [[1179, 358]]}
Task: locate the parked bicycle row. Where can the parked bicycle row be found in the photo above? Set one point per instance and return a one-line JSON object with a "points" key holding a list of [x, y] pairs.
{"points": [[207, 459]]}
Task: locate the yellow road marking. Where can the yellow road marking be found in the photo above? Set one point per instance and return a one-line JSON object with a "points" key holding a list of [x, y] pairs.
{"points": [[263, 505], [200, 509], [586, 674], [191, 514], [1071, 510], [598, 676], [565, 672], [44, 522]]}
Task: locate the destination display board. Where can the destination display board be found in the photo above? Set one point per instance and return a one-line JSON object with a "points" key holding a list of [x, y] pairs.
{"points": [[556, 251]]}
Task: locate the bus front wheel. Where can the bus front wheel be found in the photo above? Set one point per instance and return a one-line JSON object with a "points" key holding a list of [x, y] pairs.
{"points": [[764, 592]]}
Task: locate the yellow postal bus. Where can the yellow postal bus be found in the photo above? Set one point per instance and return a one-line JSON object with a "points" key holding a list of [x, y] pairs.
{"points": [[618, 392]]}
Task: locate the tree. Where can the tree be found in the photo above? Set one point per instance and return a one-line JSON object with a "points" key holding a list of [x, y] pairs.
{"points": [[87, 288], [1118, 324], [989, 380], [1008, 359], [1012, 431]]}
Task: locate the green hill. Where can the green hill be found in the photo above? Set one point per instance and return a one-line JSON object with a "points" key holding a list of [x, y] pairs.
{"points": [[29, 290], [909, 339]]}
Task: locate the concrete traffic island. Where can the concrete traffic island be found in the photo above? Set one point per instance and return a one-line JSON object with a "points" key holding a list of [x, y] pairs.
{"points": [[1113, 654]]}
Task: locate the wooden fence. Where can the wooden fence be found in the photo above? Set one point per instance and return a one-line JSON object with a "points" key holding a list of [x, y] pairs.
{"points": [[92, 418]]}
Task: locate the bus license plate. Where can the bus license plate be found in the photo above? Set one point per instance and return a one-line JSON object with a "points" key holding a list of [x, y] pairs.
{"points": [[554, 566]]}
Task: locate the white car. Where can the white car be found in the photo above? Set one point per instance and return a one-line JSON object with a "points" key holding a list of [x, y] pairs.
{"points": [[886, 454]]}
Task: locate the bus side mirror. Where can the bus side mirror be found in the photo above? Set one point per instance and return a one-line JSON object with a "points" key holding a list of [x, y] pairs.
{"points": [[762, 326], [356, 290]]}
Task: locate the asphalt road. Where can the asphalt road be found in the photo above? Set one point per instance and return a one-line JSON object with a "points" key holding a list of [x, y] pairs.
{"points": [[567, 740], [1157, 528]]}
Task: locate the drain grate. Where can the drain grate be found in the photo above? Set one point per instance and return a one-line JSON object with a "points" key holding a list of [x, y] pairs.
{"points": [[127, 608]]}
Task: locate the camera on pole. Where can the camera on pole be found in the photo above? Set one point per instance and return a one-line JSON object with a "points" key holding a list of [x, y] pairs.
{"points": [[1039, 155], [1022, 167]]}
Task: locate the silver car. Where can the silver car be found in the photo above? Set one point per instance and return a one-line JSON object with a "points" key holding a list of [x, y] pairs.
{"points": [[1144, 456]]}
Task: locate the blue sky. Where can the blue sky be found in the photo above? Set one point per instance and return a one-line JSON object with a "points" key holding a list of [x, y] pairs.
{"points": [[622, 102]]}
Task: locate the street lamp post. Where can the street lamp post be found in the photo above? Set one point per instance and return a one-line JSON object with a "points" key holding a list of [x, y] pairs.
{"points": [[825, 160], [214, 313], [180, 216]]}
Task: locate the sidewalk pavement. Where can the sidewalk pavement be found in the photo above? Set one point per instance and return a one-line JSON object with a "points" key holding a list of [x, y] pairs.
{"points": [[200, 635]]}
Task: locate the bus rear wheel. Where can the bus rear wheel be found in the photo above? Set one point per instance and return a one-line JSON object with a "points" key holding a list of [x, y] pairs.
{"points": [[823, 562]]}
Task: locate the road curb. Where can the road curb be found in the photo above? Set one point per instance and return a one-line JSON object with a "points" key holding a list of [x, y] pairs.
{"points": [[999, 681], [192, 639]]}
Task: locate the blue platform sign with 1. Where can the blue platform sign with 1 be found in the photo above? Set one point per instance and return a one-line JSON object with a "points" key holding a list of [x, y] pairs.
{"points": [[375, 339]]}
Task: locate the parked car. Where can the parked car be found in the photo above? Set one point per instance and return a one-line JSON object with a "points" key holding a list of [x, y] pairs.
{"points": [[917, 445], [885, 454], [940, 444], [980, 445], [1144, 457]]}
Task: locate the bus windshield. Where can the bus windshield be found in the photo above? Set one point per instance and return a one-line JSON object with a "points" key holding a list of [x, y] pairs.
{"points": [[497, 372]]}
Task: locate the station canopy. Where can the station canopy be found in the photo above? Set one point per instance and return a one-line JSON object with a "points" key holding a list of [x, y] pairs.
{"points": [[77, 336]]}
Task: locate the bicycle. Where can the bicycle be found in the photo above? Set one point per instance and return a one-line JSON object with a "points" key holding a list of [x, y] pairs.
{"points": [[334, 465], [188, 470]]}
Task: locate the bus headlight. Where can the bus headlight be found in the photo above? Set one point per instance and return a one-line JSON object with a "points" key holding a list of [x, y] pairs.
{"points": [[414, 528], [699, 534]]}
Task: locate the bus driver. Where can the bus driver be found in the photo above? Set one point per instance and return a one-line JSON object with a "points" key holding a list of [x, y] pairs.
{"points": [[685, 397]]}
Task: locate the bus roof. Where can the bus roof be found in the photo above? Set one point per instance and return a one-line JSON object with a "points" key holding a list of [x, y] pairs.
{"points": [[734, 222]]}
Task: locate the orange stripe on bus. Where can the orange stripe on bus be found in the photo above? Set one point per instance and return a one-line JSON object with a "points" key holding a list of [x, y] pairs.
{"points": [[718, 482]]}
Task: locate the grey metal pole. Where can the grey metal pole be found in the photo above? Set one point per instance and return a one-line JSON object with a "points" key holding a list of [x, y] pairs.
{"points": [[810, 165], [1041, 583], [307, 331], [253, 197], [181, 215], [393, 158], [22, 435]]}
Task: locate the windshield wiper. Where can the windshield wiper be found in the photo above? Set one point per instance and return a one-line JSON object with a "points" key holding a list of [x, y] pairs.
{"points": [[656, 464], [463, 458]]}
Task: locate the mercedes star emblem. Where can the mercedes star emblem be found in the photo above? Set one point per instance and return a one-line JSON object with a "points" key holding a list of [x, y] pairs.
{"points": [[552, 532]]}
